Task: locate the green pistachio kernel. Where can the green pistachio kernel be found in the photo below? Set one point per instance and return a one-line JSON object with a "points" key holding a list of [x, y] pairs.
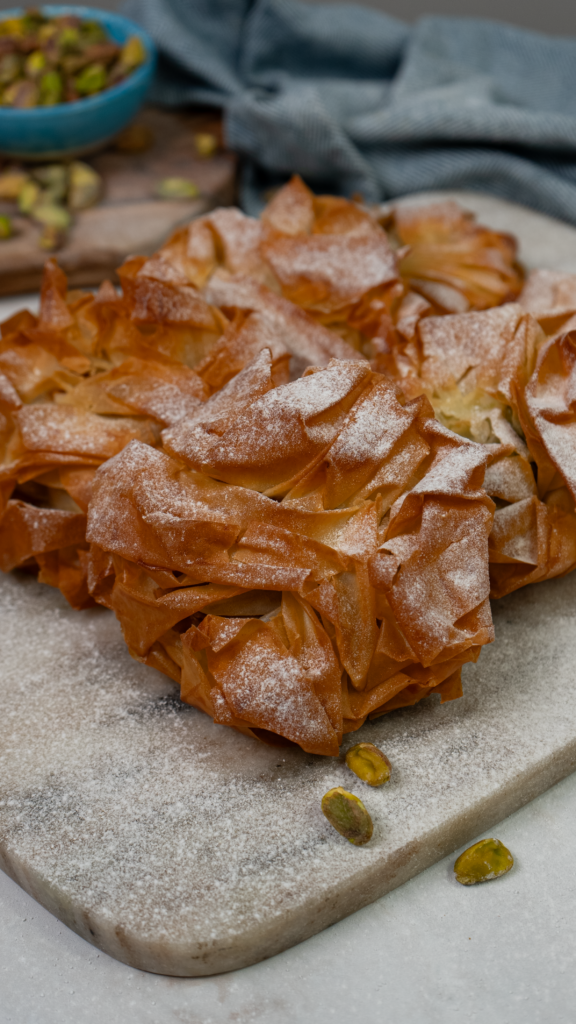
{"points": [[51, 89], [35, 64], [5, 226], [483, 861], [28, 196], [84, 186], [347, 814], [69, 39], [177, 188], [52, 215], [369, 764], [133, 53], [91, 79]]}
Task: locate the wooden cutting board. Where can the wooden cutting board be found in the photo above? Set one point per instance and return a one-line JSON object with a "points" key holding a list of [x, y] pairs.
{"points": [[180, 847], [129, 219]]}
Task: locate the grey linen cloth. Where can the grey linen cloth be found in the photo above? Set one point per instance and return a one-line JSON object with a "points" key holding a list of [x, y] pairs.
{"points": [[359, 102]]}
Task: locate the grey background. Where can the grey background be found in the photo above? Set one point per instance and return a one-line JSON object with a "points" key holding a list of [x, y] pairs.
{"points": [[555, 16]]}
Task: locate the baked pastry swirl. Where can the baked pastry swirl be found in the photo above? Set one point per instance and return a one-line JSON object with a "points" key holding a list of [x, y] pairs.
{"points": [[299, 556], [295, 454], [494, 377]]}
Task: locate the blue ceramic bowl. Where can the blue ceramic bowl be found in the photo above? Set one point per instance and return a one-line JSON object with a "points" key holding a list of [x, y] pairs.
{"points": [[69, 129]]}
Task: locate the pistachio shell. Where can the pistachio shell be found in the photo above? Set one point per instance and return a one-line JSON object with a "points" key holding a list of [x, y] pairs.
{"points": [[482, 862], [369, 764], [347, 814]]}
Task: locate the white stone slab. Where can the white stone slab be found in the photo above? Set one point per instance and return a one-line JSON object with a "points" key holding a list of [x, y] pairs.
{"points": [[182, 848]]}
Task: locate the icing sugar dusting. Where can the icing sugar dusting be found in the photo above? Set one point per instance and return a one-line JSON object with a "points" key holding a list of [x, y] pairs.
{"points": [[349, 265], [62, 429], [549, 293]]}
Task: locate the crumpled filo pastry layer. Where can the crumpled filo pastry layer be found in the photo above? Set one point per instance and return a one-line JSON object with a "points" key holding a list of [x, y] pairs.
{"points": [[301, 558]]}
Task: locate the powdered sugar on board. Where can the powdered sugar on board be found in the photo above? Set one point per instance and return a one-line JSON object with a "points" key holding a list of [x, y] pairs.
{"points": [[182, 848]]}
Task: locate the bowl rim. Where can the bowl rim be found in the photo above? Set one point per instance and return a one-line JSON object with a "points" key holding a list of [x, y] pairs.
{"points": [[87, 103]]}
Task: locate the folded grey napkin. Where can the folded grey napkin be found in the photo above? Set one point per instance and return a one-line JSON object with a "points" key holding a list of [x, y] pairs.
{"points": [[357, 101]]}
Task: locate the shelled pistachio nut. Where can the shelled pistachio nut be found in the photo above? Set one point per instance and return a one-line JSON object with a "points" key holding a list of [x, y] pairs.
{"points": [[369, 764], [84, 186], [28, 196], [52, 215], [347, 814], [482, 862], [51, 89], [133, 53], [91, 79], [35, 64], [177, 188]]}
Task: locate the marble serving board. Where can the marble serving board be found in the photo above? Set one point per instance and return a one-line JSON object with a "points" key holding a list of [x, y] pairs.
{"points": [[180, 847], [183, 848]]}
